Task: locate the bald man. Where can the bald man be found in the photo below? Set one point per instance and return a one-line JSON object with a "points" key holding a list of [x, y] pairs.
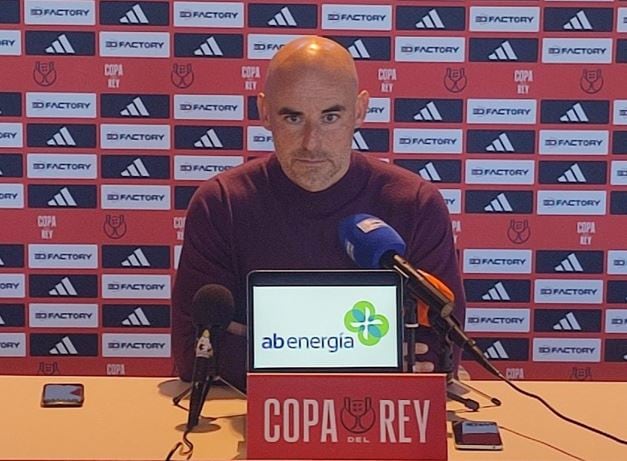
{"points": [[283, 211]]}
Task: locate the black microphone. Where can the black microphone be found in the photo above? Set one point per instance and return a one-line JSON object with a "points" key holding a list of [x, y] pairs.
{"points": [[212, 310], [372, 243]]}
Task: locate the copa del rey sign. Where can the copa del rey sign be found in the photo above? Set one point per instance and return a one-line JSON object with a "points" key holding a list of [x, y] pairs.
{"points": [[346, 416]]}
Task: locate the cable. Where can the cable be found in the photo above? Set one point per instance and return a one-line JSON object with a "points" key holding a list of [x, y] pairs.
{"points": [[183, 452], [557, 413]]}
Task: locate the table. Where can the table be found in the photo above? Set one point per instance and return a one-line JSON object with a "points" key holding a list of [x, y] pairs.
{"points": [[134, 419]]}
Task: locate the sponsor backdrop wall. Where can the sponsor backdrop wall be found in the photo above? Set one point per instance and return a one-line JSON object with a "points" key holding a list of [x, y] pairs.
{"points": [[112, 113]]}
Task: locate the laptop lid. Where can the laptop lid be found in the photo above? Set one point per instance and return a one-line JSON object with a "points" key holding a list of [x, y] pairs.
{"points": [[325, 321]]}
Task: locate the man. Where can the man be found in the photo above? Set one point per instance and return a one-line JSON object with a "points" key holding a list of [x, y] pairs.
{"points": [[282, 211]]}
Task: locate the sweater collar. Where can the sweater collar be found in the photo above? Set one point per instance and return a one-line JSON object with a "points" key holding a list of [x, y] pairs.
{"points": [[322, 202]]}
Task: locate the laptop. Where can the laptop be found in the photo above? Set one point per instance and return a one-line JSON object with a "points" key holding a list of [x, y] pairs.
{"points": [[325, 321]]}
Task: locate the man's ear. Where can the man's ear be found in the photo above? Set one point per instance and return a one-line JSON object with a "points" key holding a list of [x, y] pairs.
{"points": [[361, 107], [262, 108]]}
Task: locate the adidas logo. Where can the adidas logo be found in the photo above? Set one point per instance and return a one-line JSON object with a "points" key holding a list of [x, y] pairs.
{"points": [[429, 113], [209, 139], [430, 21], [62, 138], [497, 293], [63, 288], [283, 18], [573, 174], [567, 323], [496, 351], [61, 46], [1, 173], [359, 142], [499, 205], [1, 262], [429, 172], [2, 322], [134, 16], [135, 108], [136, 169], [575, 114], [578, 22], [136, 259], [570, 264], [501, 144], [209, 48], [504, 52], [137, 318], [64, 347], [62, 198], [358, 50]]}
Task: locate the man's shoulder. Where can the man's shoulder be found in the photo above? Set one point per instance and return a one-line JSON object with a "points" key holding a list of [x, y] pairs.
{"points": [[247, 176], [385, 173]]}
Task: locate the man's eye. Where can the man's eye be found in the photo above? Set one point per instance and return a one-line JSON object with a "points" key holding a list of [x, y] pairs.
{"points": [[330, 118], [292, 118]]}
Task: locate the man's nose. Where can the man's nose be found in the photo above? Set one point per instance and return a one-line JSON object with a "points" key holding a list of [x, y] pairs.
{"points": [[311, 136]]}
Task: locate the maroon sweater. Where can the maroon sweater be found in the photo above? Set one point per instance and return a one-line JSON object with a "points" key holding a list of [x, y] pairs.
{"points": [[254, 217]]}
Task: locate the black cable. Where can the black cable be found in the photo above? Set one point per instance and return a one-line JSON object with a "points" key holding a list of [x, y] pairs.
{"points": [[179, 445], [557, 413]]}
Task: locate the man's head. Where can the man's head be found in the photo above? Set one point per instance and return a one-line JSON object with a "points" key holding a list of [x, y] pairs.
{"points": [[312, 105]]}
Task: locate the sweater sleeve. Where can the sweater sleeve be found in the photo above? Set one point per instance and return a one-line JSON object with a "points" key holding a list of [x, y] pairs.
{"points": [[432, 249], [206, 257]]}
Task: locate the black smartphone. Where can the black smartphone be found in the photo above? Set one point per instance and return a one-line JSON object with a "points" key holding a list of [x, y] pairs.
{"points": [[477, 435], [62, 395]]}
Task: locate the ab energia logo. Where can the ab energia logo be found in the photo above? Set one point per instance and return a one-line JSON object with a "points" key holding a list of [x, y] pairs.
{"points": [[369, 326]]}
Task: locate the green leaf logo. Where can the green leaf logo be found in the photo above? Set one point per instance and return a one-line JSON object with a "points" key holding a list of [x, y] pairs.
{"points": [[364, 320]]}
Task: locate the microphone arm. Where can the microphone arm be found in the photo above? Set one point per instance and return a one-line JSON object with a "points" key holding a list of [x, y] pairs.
{"points": [[422, 289]]}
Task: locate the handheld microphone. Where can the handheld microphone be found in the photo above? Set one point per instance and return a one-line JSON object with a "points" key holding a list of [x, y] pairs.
{"points": [[372, 243], [212, 309]]}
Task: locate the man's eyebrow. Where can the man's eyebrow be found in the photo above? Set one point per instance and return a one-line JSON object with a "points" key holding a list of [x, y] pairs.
{"points": [[290, 111]]}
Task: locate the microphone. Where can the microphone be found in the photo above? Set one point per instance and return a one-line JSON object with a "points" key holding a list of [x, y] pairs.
{"points": [[212, 309], [372, 243]]}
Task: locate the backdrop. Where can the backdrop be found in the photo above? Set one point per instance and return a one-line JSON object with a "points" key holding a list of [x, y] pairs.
{"points": [[112, 113]]}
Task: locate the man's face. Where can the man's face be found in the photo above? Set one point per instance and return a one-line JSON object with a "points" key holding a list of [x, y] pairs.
{"points": [[312, 119]]}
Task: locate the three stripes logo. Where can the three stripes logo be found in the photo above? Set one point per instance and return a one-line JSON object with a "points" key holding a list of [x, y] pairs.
{"points": [[572, 175], [429, 173], [504, 52], [209, 140], [1, 262], [567, 323], [136, 169], [64, 347], [209, 47], [283, 18], [136, 108], [578, 22], [135, 16], [575, 114], [496, 352], [499, 204], [63, 288], [2, 322], [137, 318], [358, 50], [359, 143], [497, 293], [501, 144], [63, 198], [431, 20], [429, 113], [569, 264], [136, 259], [60, 46], [61, 138]]}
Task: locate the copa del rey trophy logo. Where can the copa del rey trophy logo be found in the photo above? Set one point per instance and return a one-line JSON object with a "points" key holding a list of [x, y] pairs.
{"points": [[401, 416]]}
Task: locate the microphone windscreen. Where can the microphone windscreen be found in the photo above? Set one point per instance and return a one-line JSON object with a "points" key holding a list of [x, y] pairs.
{"points": [[212, 305], [367, 238]]}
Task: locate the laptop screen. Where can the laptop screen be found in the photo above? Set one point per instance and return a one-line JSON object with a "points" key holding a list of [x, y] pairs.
{"points": [[316, 321]]}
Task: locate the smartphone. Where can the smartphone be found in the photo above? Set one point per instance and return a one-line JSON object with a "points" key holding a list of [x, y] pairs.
{"points": [[62, 395], [477, 435]]}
